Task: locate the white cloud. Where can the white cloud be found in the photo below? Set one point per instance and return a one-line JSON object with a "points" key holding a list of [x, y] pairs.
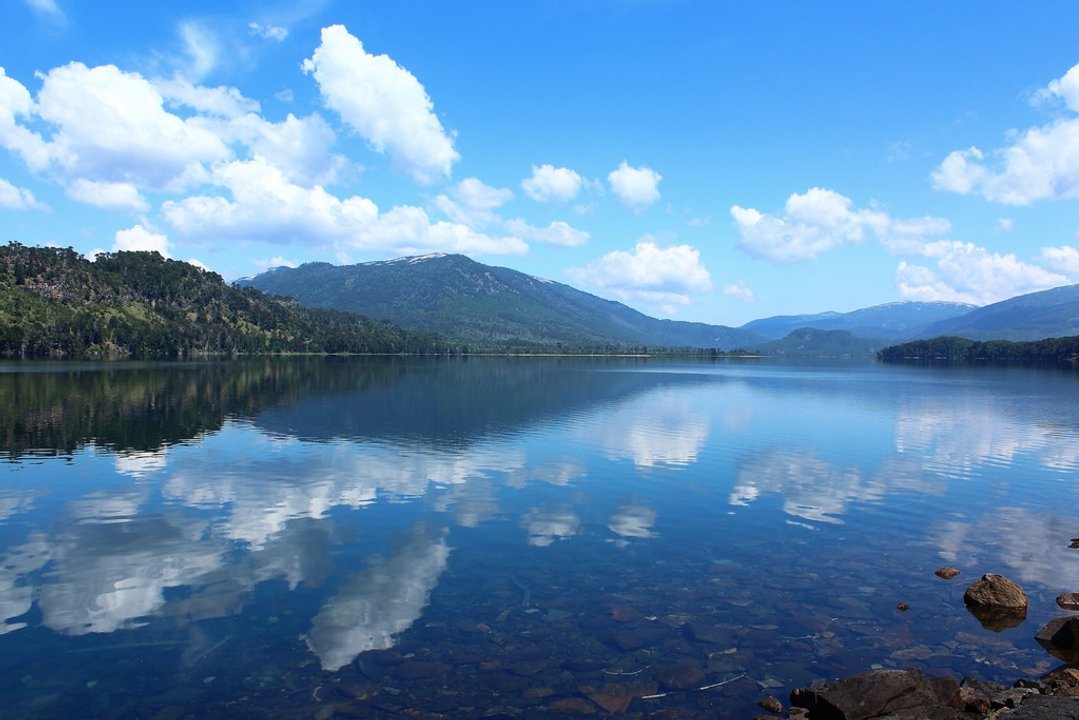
{"points": [[636, 187], [266, 206], [201, 47], [268, 32], [227, 102], [650, 274], [1005, 225], [138, 237], [551, 184], [821, 220], [473, 202], [1040, 163], [964, 272], [384, 103], [112, 126], [1063, 259], [15, 103], [558, 233], [299, 147], [117, 196], [17, 198], [739, 291], [49, 9], [274, 262]]}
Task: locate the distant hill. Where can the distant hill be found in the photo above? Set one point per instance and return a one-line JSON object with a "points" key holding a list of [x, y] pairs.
{"points": [[486, 306], [56, 303], [1045, 314], [891, 321], [811, 342]]}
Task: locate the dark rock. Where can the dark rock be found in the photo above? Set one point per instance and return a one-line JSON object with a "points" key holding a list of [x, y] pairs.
{"points": [[1046, 707], [573, 706], [420, 670], [636, 637], [680, 676], [705, 632], [771, 704], [1061, 638], [877, 693], [946, 572], [1062, 677], [902, 607], [616, 697], [1074, 543], [1068, 601]]}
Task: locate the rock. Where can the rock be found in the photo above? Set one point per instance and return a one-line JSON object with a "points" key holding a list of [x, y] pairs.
{"points": [[1063, 677], [616, 697], [995, 591], [997, 602], [946, 572], [1068, 601], [680, 676], [1046, 707], [638, 636], [902, 607], [1074, 543], [771, 704], [573, 706], [876, 693], [1061, 638]]}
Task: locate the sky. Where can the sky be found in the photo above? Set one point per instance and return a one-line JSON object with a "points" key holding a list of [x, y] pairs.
{"points": [[708, 161]]}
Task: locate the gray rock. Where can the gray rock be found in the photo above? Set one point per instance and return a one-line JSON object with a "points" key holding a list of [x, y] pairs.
{"points": [[1045, 707], [1061, 638]]}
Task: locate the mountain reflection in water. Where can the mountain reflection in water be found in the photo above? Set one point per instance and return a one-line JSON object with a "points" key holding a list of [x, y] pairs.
{"points": [[513, 524]]}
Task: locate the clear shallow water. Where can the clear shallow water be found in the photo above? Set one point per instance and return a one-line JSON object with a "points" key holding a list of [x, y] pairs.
{"points": [[330, 537]]}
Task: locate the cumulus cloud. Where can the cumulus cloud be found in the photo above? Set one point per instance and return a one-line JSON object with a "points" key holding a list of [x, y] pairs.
{"points": [[138, 237], [112, 126], [384, 103], [739, 291], [17, 198], [473, 202], [15, 103], [558, 233], [265, 205], [227, 102], [300, 147], [965, 272], [636, 187], [118, 196], [1063, 259], [820, 220], [1039, 163], [663, 276], [268, 32], [551, 184]]}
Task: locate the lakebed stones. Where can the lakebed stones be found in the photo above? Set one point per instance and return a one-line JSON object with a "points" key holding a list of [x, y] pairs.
{"points": [[946, 572], [997, 602]]}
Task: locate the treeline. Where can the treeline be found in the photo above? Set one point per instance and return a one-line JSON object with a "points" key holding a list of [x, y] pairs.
{"points": [[959, 351], [55, 303]]}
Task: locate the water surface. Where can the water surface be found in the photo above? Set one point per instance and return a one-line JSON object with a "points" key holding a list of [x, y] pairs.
{"points": [[514, 538]]}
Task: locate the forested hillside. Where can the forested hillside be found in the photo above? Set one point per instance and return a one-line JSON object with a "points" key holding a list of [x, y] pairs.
{"points": [[56, 303], [957, 350]]}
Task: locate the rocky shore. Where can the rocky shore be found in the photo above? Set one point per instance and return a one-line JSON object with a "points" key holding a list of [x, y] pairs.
{"points": [[910, 694]]}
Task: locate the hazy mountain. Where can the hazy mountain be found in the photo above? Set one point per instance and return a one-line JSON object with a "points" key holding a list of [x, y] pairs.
{"points": [[462, 299], [1045, 314], [811, 342], [891, 321]]}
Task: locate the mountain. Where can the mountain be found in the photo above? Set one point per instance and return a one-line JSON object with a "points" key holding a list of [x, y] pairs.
{"points": [[891, 321], [811, 342], [1045, 314], [56, 303], [483, 305]]}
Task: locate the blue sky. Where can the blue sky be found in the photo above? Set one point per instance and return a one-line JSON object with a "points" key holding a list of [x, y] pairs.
{"points": [[706, 161]]}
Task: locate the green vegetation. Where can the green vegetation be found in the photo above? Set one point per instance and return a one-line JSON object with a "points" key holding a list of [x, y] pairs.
{"points": [[961, 351], [54, 303]]}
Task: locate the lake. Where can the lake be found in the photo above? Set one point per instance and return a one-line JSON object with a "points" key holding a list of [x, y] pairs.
{"points": [[333, 537]]}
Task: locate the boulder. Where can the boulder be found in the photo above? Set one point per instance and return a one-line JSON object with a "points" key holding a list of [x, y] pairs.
{"points": [[1061, 638], [1068, 601], [946, 572], [877, 693], [997, 602]]}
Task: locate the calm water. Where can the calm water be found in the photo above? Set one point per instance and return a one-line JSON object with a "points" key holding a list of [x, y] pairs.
{"points": [[331, 537]]}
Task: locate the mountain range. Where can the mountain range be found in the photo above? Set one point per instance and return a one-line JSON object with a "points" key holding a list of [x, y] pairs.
{"points": [[487, 306]]}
